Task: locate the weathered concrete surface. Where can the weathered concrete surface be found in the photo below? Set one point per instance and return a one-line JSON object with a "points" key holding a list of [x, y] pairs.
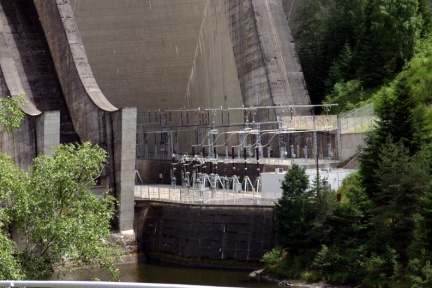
{"points": [[27, 63], [124, 133], [351, 144], [191, 53], [82, 94], [242, 233], [291, 8], [48, 132], [141, 51], [21, 59], [148, 54], [283, 70], [93, 116]]}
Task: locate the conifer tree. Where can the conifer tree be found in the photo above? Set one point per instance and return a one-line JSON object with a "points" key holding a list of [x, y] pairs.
{"points": [[293, 211], [399, 119], [402, 181]]}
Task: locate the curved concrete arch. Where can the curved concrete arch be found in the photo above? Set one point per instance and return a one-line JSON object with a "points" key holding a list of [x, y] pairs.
{"points": [[94, 118], [11, 77], [15, 87], [69, 47], [86, 102]]}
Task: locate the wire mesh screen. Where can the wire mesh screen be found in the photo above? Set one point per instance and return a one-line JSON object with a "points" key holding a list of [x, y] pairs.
{"points": [[322, 123], [359, 120]]}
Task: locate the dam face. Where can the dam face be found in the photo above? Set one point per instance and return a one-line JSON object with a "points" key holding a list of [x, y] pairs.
{"points": [[191, 53], [92, 70]]}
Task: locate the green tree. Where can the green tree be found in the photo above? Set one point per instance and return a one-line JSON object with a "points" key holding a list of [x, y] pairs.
{"points": [[353, 217], [324, 203], [392, 29], [366, 40], [10, 112], [61, 220], [326, 41], [420, 251], [425, 10], [295, 182], [344, 249], [293, 211], [403, 180], [11, 178], [401, 117]]}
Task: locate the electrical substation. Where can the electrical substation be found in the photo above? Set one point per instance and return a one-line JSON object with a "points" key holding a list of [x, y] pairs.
{"points": [[228, 148]]}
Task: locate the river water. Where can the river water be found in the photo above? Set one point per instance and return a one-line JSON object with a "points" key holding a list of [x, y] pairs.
{"points": [[159, 273]]}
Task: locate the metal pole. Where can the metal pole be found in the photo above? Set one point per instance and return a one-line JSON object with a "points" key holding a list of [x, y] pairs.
{"points": [[316, 155], [339, 138]]}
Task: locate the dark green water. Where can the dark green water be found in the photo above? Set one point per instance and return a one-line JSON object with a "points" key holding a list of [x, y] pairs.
{"points": [[184, 275], [155, 273]]}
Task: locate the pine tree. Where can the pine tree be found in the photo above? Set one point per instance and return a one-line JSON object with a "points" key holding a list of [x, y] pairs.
{"points": [[402, 181], [399, 119], [391, 31], [293, 211]]}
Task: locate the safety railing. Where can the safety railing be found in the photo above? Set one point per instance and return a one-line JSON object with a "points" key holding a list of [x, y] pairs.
{"points": [[203, 197]]}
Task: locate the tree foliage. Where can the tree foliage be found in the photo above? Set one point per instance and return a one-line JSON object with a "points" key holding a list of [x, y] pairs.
{"points": [[403, 115], [379, 235], [302, 216], [293, 211], [358, 40], [10, 112], [391, 31], [10, 178], [61, 221]]}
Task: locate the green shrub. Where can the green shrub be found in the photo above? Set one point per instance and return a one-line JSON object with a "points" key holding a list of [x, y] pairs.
{"points": [[381, 269], [420, 273], [310, 276], [274, 258]]}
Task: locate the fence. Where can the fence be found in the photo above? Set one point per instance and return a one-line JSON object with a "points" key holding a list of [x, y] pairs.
{"points": [[358, 120], [197, 196], [197, 140]]}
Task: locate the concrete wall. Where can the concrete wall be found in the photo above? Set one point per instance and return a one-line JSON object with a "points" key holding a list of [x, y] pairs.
{"points": [[48, 132], [84, 98], [213, 77], [141, 51], [94, 117], [191, 53], [291, 10], [286, 81], [19, 68], [27, 64], [242, 233], [124, 128], [351, 143]]}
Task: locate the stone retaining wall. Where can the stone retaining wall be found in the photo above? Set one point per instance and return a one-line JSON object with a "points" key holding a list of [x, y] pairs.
{"points": [[213, 233]]}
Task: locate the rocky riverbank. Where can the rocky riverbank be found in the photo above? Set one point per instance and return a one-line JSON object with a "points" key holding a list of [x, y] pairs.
{"points": [[258, 274]]}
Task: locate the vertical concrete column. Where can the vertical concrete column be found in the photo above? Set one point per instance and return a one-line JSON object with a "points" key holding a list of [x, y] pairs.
{"points": [[47, 132], [124, 126]]}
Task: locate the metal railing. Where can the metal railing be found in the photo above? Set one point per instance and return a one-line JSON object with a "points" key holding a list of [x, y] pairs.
{"points": [[100, 284], [195, 196]]}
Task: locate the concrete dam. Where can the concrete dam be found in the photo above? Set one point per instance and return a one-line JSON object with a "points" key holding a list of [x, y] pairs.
{"points": [[177, 92], [151, 80]]}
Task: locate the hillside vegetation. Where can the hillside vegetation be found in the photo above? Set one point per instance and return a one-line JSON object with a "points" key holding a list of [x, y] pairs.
{"points": [[350, 48], [380, 233]]}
